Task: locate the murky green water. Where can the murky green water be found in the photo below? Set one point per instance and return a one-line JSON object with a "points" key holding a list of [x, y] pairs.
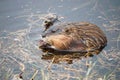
{"points": [[21, 27]]}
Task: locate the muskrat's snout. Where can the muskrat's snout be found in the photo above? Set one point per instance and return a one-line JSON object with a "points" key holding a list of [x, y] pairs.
{"points": [[43, 44]]}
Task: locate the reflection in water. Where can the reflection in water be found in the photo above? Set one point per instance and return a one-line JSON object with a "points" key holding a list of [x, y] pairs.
{"points": [[68, 58]]}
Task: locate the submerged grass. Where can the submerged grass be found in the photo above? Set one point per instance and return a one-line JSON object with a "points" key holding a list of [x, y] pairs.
{"points": [[45, 76], [19, 54], [17, 57], [109, 74]]}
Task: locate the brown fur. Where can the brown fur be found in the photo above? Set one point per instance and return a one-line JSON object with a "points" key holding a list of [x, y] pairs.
{"points": [[60, 41], [78, 36]]}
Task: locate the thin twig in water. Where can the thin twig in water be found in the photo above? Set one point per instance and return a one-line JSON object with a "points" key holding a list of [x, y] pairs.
{"points": [[2, 61], [49, 66], [35, 73]]}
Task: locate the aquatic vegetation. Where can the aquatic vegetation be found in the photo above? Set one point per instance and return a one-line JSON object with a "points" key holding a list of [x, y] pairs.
{"points": [[21, 59]]}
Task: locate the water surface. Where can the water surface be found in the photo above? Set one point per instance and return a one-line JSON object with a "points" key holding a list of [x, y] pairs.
{"points": [[21, 26]]}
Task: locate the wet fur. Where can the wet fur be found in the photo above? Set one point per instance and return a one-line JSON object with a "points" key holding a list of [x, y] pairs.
{"points": [[78, 37]]}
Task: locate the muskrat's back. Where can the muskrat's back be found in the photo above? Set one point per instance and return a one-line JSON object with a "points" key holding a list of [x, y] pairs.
{"points": [[87, 33], [78, 37]]}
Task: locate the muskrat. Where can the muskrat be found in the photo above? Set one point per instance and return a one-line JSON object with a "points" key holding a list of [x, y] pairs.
{"points": [[81, 37]]}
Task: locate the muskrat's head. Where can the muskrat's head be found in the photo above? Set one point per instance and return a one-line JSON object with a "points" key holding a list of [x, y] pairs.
{"points": [[45, 46]]}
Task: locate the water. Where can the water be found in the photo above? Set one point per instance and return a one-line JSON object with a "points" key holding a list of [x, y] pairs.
{"points": [[21, 26]]}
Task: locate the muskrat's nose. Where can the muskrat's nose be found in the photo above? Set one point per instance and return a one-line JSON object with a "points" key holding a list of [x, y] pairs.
{"points": [[43, 44]]}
